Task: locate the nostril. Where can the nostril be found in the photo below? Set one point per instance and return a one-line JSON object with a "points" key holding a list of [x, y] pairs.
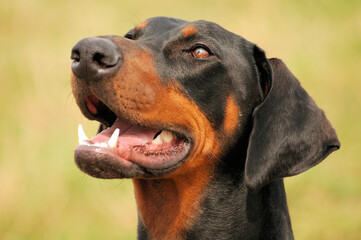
{"points": [[98, 58], [106, 59], [75, 55]]}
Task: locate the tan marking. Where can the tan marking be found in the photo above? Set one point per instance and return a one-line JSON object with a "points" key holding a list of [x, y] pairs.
{"points": [[168, 207], [189, 31], [141, 25], [232, 115]]}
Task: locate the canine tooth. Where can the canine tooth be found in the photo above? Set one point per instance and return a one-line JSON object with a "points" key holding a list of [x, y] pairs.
{"points": [[113, 139], [81, 134], [167, 136], [158, 140]]}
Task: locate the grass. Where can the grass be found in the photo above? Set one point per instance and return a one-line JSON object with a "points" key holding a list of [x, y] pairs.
{"points": [[44, 196]]}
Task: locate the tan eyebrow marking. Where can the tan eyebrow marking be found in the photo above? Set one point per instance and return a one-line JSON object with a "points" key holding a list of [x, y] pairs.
{"points": [[189, 31], [141, 25]]}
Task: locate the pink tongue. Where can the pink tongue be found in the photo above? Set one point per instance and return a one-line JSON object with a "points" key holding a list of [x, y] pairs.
{"points": [[128, 134]]}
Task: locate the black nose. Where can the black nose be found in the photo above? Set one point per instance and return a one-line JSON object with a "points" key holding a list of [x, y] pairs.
{"points": [[95, 58]]}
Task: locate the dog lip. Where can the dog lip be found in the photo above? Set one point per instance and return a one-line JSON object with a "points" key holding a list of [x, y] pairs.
{"points": [[102, 162], [92, 103]]}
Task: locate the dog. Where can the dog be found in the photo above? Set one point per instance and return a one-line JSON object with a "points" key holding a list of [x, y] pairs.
{"points": [[204, 124]]}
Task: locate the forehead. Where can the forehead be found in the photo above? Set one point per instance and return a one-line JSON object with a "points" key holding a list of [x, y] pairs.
{"points": [[173, 29], [160, 24]]}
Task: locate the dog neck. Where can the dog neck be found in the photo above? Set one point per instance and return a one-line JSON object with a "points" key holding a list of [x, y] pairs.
{"points": [[184, 208], [168, 207]]}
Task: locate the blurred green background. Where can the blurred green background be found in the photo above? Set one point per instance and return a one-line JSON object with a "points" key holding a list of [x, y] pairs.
{"points": [[42, 193]]}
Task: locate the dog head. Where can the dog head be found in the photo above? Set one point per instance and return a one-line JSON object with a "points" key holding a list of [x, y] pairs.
{"points": [[174, 96]]}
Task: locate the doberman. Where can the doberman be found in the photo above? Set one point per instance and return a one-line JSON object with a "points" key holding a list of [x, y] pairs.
{"points": [[204, 124]]}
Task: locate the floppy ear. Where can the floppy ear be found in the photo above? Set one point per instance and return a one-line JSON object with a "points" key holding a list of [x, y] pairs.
{"points": [[290, 133]]}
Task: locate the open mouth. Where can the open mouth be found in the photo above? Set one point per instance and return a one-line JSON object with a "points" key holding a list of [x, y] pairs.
{"points": [[124, 149]]}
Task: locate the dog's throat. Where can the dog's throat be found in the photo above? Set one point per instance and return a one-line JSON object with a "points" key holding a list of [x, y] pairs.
{"points": [[168, 207]]}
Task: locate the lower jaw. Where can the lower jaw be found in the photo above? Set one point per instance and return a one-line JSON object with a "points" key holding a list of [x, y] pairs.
{"points": [[104, 163], [101, 164]]}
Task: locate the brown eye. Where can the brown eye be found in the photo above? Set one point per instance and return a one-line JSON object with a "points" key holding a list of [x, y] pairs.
{"points": [[200, 52]]}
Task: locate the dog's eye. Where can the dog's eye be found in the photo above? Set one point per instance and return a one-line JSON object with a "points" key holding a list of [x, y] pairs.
{"points": [[200, 52]]}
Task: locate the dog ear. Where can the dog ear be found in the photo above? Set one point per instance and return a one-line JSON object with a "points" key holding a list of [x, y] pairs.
{"points": [[290, 133]]}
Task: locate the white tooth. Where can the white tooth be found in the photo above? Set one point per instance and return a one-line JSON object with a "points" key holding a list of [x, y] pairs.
{"points": [[158, 140], [100, 145], [81, 134], [113, 139], [167, 136]]}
